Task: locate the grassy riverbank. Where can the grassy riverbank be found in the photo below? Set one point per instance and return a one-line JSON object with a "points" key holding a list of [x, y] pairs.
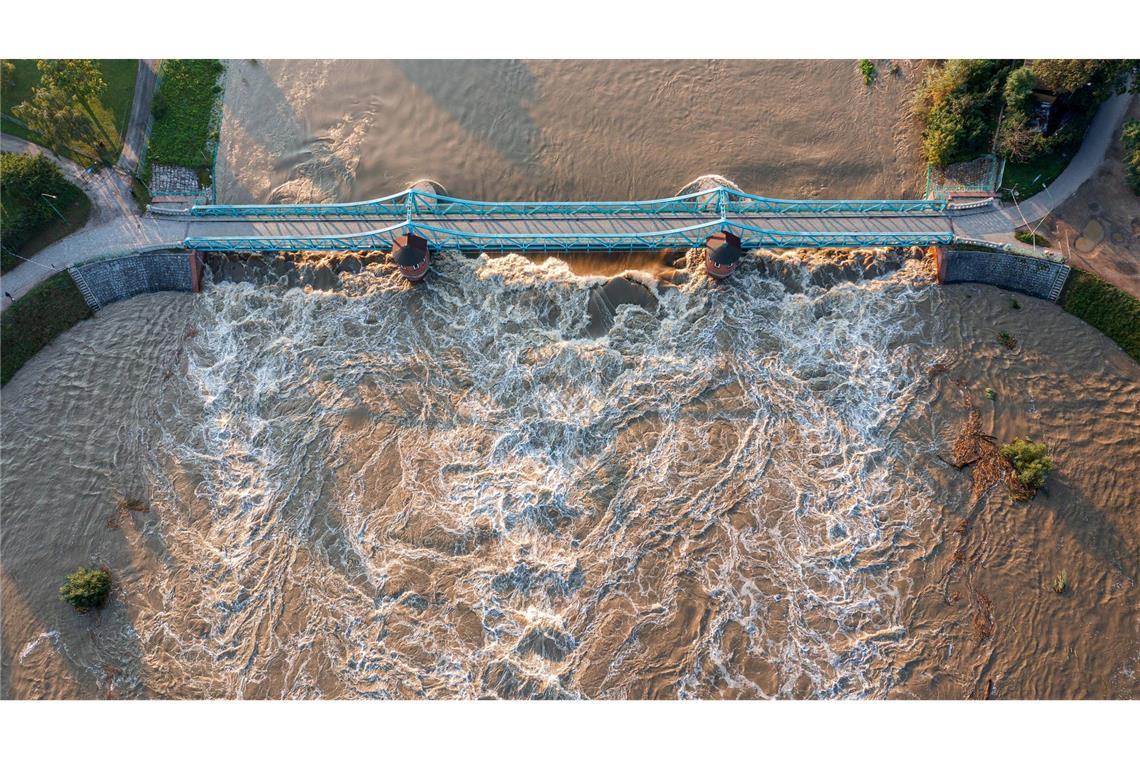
{"points": [[35, 319], [182, 108], [1105, 307], [112, 110]]}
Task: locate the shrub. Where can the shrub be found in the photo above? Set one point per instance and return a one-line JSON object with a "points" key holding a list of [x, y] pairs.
{"points": [[1031, 238], [1029, 462], [1060, 583], [86, 588], [867, 69]]}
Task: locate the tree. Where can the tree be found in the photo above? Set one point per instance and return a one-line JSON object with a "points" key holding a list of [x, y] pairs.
{"points": [[1029, 462], [959, 103], [1018, 140], [79, 79], [7, 74], [1018, 90], [86, 588], [59, 122], [1098, 79]]}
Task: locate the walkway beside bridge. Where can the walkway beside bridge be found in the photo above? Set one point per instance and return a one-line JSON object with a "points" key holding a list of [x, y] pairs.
{"points": [[116, 226]]}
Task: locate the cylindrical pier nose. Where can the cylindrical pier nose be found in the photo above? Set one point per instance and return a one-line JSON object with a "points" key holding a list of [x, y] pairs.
{"points": [[722, 254], [410, 252]]}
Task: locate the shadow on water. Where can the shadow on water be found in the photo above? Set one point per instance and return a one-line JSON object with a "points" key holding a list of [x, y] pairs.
{"points": [[1091, 526], [316, 170], [490, 99]]}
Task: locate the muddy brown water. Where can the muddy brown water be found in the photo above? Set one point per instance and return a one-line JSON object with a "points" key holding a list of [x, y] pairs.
{"points": [[461, 490], [319, 130], [536, 479]]}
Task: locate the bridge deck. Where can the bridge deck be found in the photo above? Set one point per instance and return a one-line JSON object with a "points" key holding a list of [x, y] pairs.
{"points": [[214, 233], [454, 223]]}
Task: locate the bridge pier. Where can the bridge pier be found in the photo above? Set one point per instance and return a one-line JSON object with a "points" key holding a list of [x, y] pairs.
{"points": [[196, 263], [722, 254], [938, 252], [410, 252]]}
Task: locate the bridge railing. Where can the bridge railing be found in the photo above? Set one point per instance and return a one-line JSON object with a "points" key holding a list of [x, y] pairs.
{"points": [[687, 236], [717, 201], [389, 206], [740, 202]]}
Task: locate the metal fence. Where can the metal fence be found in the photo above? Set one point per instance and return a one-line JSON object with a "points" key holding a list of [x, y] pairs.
{"points": [[980, 176]]}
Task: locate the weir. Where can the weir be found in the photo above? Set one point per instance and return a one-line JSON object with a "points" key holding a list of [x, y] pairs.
{"points": [[684, 221]]}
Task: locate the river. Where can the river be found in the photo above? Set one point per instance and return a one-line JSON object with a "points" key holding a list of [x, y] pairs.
{"points": [[536, 478]]}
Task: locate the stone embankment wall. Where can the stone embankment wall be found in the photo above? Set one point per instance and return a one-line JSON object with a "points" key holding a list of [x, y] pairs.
{"points": [[106, 280], [1032, 275]]}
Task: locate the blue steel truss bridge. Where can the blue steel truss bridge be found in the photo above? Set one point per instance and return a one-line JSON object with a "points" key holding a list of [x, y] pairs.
{"points": [[684, 221]]}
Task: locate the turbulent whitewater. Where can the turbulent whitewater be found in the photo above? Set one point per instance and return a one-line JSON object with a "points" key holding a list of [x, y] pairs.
{"points": [[469, 489]]}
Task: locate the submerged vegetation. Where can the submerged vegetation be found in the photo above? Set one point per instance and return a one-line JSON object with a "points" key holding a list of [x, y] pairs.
{"points": [[1007, 340], [86, 588], [1105, 307], [1061, 583], [1029, 461], [867, 69], [35, 319]]}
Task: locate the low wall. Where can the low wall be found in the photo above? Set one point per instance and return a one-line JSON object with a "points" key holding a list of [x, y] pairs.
{"points": [[104, 281], [1026, 274]]}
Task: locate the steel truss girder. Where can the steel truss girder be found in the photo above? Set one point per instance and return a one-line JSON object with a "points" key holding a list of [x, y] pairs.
{"points": [[717, 202]]}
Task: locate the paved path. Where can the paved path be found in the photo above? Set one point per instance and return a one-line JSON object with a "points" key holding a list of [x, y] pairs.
{"points": [[134, 141], [115, 223], [999, 224]]}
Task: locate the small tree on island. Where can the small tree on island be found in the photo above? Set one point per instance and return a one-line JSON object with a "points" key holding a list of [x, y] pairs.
{"points": [[86, 588], [1029, 462]]}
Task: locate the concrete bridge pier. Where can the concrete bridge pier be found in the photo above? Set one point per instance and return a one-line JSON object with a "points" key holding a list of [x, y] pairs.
{"points": [[411, 255], [722, 254]]}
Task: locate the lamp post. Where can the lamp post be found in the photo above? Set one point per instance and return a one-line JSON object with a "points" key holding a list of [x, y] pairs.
{"points": [[49, 199]]}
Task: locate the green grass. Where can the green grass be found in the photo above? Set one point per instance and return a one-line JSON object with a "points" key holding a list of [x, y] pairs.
{"points": [[113, 109], [75, 206], [182, 108], [1105, 307], [1029, 237], [1033, 176], [36, 318]]}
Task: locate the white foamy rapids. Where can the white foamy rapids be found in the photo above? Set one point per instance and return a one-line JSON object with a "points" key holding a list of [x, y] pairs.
{"points": [[450, 490]]}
